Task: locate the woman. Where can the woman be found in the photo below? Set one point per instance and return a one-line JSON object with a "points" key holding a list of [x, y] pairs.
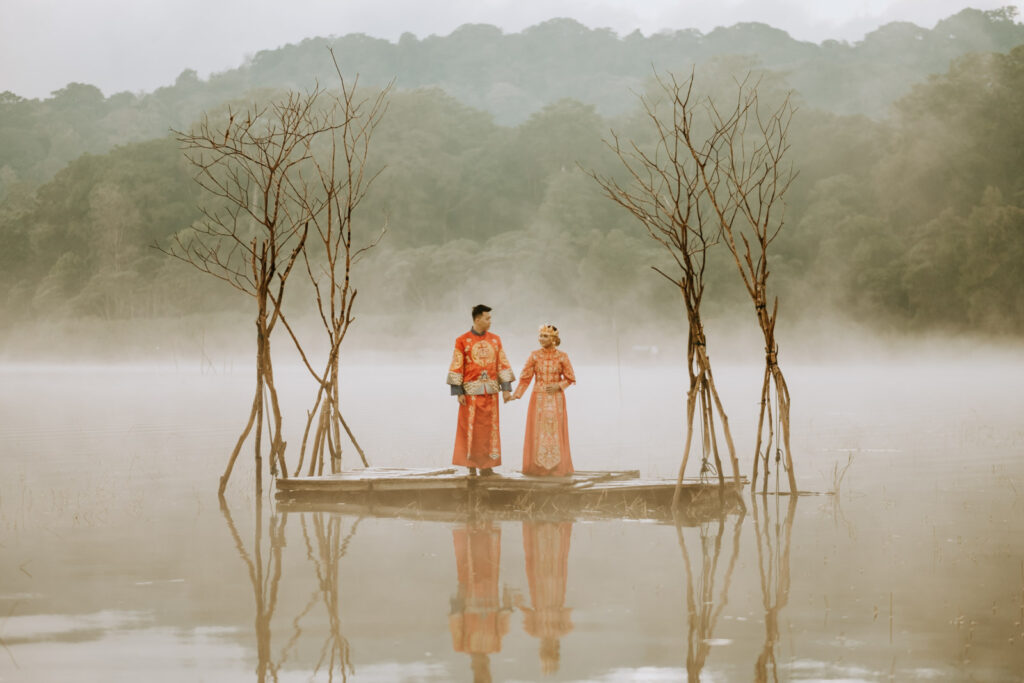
{"points": [[546, 447]]}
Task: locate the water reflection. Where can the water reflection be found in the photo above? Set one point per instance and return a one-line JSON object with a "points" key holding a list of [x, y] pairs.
{"points": [[702, 612], [326, 543], [88, 483], [773, 541], [264, 580], [546, 547], [325, 547], [478, 619], [481, 606]]}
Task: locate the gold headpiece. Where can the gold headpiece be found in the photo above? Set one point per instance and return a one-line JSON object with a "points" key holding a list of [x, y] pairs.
{"points": [[552, 330]]}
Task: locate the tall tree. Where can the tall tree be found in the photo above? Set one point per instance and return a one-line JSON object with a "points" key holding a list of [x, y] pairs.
{"points": [[342, 181], [256, 169], [670, 191], [743, 166]]}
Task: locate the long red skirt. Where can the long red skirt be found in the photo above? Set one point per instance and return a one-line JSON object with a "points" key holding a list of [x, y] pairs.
{"points": [[546, 445], [478, 439], [477, 622]]}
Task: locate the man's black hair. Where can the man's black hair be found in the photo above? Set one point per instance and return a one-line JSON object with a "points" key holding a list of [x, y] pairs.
{"points": [[479, 310]]}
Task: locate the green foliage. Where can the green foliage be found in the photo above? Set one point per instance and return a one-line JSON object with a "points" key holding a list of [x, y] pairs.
{"points": [[915, 221], [511, 76], [81, 243]]}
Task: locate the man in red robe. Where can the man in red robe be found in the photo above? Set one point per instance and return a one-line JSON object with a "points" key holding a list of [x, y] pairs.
{"points": [[479, 616], [479, 369]]}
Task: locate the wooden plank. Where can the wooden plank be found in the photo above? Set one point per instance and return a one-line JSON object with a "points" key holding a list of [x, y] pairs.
{"points": [[615, 474], [379, 485], [374, 474], [522, 481], [418, 484], [416, 473], [386, 480], [315, 486], [624, 486]]}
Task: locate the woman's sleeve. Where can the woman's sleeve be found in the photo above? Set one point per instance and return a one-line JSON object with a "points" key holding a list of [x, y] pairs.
{"points": [[526, 376], [567, 372]]}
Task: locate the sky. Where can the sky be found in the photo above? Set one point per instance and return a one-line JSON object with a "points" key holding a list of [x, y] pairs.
{"points": [[140, 45]]}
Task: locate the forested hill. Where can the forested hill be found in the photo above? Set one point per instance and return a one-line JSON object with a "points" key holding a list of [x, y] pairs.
{"points": [[511, 76], [912, 223]]}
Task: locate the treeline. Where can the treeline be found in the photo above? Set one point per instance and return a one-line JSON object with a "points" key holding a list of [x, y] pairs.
{"points": [[510, 76], [911, 223]]}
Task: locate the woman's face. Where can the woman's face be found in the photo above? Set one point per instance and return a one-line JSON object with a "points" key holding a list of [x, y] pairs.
{"points": [[546, 340]]}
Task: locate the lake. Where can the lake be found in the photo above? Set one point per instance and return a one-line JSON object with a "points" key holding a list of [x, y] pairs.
{"points": [[120, 564]]}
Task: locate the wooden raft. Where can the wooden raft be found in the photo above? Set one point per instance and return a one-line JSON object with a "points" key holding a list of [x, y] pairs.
{"points": [[387, 490]]}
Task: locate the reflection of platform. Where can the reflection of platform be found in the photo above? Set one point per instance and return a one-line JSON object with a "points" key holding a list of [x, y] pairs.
{"points": [[440, 492]]}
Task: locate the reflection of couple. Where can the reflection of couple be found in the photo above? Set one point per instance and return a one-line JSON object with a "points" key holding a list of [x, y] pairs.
{"points": [[478, 620], [479, 369]]}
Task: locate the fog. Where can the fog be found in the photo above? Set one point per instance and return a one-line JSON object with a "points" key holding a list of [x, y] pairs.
{"points": [[217, 343], [131, 46], [127, 376], [119, 563]]}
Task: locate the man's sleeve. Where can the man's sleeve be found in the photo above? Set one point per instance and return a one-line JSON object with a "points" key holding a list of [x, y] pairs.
{"points": [[455, 372], [505, 374]]}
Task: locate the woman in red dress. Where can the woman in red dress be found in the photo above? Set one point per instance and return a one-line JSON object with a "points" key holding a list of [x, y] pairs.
{"points": [[546, 545], [546, 446]]}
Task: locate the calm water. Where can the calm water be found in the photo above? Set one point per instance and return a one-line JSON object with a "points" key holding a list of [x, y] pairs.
{"points": [[119, 564]]}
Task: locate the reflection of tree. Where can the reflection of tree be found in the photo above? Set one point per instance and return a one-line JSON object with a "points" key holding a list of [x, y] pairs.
{"points": [[331, 546], [773, 563], [265, 580], [546, 546], [702, 613], [478, 619]]}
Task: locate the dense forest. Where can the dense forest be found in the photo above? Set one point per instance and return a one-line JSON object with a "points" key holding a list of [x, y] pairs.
{"points": [[907, 214]]}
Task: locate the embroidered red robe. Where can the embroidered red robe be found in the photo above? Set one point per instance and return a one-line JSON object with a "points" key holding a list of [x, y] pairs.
{"points": [[477, 621], [479, 370], [546, 444], [546, 545]]}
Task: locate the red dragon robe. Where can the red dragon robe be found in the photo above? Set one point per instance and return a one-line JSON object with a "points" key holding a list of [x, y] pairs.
{"points": [[479, 370]]}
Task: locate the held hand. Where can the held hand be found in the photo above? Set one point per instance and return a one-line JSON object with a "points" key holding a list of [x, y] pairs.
{"points": [[462, 399], [506, 396]]}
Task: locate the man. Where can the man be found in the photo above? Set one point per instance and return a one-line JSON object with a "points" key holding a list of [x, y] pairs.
{"points": [[478, 619], [479, 369]]}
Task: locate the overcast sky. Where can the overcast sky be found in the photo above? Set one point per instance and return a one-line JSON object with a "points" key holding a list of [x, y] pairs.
{"points": [[139, 45]]}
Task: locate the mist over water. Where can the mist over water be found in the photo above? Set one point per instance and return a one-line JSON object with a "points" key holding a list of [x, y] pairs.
{"points": [[119, 564], [126, 376]]}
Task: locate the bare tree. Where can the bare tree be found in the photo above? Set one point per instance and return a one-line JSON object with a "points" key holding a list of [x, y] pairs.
{"points": [[342, 180], [719, 174], [702, 614], [254, 168], [670, 193], [773, 565], [331, 546], [751, 144], [265, 577]]}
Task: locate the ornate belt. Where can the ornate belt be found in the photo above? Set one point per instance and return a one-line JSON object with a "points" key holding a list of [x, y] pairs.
{"points": [[481, 387]]}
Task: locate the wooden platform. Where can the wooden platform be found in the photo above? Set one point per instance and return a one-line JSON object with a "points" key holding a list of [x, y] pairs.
{"points": [[446, 492]]}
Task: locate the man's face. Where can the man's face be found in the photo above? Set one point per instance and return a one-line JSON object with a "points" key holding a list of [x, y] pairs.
{"points": [[483, 322]]}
